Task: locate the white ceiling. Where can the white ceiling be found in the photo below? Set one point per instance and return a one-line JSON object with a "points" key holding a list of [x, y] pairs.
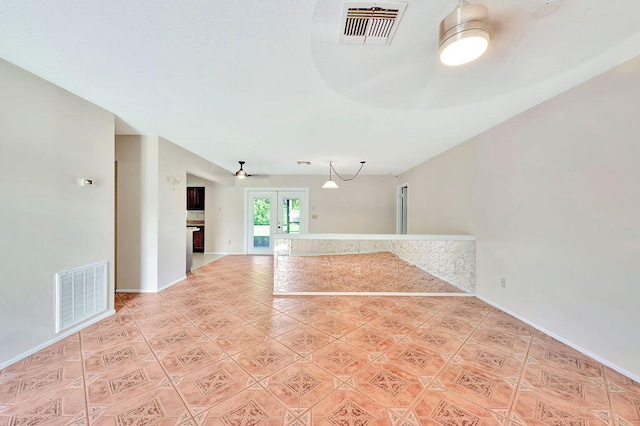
{"points": [[268, 81]]}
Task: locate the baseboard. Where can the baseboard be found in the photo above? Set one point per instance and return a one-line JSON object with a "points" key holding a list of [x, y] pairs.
{"points": [[222, 253], [56, 339], [172, 283], [565, 341], [365, 293], [466, 290], [164, 287]]}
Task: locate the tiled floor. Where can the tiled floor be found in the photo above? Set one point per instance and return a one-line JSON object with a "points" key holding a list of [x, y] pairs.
{"points": [[201, 259], [382, 272], [220, 349]]}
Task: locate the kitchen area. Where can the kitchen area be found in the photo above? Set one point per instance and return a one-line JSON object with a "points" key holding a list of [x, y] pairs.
{"points": [[195, 205]]}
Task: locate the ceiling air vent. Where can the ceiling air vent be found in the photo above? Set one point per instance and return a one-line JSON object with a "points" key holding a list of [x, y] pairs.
{"points": [[370, 23]]}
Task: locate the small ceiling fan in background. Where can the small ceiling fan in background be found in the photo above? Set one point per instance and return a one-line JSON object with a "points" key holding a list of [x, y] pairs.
{"points": [[242, 173]]}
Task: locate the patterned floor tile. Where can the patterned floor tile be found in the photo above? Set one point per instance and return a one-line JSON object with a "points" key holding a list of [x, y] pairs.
{"points": [[304, 340], [370, 339], [335, 325], [301, 385], [448, 409], [626, 408], [501, 340], [348, 407], [119, 385], [240, 339], [308, 313], [492, 360], [286, 303], [562, 356], [566, 385], [618, 382], [389, 385], [455, 326], [265, 359], [203, 312], [158, 407], [412, 313], [114, 322], [417, 360], [395, 324], [100, 340], [30, 383], [359, 314], [220, 325], [537, 408], [249, 407], [465, 313], [59, 407], [212, 384], [497, 320], [117, 357], [256, 312], [476, 385], [275, 325], [167, 339], [435, 340], [191, 357], [341, 359]]}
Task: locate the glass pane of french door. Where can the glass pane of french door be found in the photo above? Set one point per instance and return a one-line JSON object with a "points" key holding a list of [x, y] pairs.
{"points": [[262, 222], [272, 212], [290, 216], [292, 211]]}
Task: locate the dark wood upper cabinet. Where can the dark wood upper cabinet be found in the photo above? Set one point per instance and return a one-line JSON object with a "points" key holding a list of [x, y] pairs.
{"points": [[195, 198]]}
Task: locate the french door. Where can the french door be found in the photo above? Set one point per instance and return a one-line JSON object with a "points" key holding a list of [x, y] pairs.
{"points": [[274, 211]]}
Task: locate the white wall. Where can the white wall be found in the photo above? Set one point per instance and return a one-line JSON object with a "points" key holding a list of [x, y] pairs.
{"points": [[552, 196], [137, 213], [49, 139], [151, 210], [366, 205]]}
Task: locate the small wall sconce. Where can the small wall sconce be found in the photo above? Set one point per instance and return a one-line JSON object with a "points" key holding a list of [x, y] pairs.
{"points": [[88, 182], [173, 180]]}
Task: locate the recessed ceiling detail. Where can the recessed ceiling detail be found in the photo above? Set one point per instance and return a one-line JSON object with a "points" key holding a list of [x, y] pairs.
{"points": [[370, 23], [546, 8]]}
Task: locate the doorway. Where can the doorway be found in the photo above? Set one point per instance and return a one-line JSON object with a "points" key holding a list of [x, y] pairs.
{"points": [[274, 211], [403, 205]]}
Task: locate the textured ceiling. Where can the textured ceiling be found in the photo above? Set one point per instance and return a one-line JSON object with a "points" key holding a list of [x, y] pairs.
{"points": [[268, 81]]}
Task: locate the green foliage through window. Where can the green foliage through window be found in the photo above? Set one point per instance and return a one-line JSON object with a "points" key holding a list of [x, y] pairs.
{"points": [[261, 211]]}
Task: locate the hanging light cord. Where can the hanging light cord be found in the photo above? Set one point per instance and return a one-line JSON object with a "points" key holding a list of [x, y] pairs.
{"points": [[345, 179]]}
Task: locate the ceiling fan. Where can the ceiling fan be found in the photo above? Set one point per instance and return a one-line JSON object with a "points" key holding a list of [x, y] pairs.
{"points": [[242, 173]]}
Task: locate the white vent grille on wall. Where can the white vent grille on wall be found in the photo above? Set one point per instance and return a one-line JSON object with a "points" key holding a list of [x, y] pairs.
{"points": [[81, 293], [370, 23]]}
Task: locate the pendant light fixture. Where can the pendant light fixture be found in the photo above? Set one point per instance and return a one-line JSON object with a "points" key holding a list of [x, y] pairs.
{"points": [[241, 174], [330, 184], [464, 34]]}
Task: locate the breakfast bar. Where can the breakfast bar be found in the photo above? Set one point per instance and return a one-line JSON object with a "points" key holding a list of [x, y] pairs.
{"points": [[374, 263]]}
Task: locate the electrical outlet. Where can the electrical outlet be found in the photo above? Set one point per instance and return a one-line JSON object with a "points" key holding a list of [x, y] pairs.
{"points": [[314, 216], [503, 282], [358, 271], [229, 241]]}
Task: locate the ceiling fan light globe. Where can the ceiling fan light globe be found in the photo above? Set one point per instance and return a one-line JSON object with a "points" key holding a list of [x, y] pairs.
{"points": [[464, 47]]}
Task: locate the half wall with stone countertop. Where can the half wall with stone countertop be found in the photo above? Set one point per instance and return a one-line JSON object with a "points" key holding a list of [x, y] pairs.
{"points": [[451, 258]]}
